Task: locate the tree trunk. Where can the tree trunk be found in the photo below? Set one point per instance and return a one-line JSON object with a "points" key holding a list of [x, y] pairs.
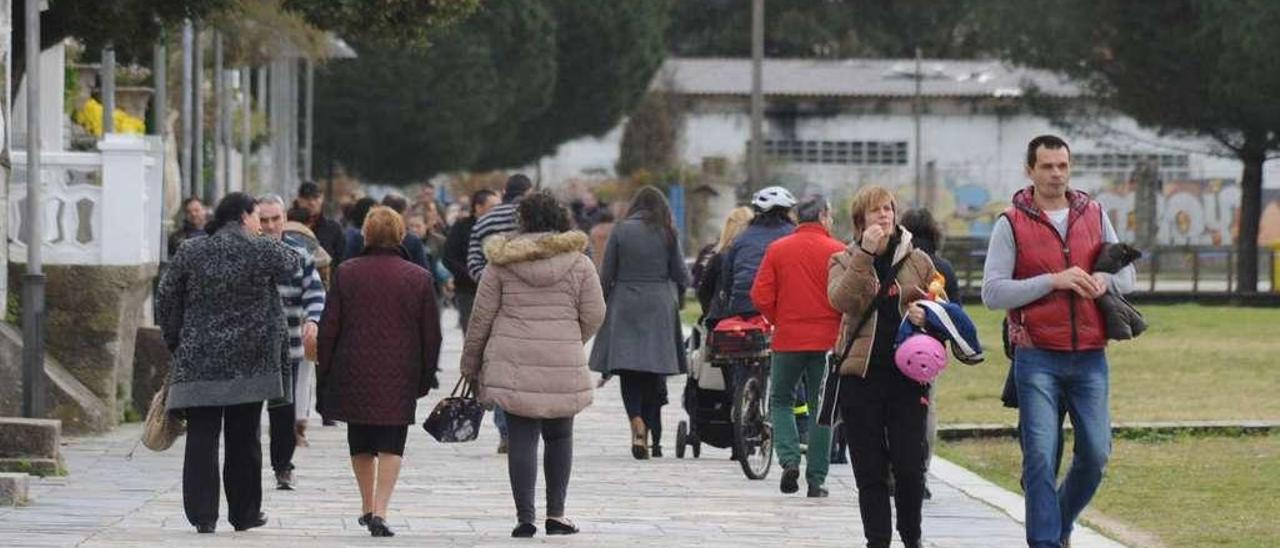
{"points": [[1253, 154], [1147, 180]]}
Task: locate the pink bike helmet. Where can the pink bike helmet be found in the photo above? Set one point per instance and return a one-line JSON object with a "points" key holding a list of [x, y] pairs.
{"points": [[921, 358]]}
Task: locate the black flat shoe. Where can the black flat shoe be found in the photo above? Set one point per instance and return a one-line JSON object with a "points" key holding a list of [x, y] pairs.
{"points": [[656, 452], [524, 530], [262, 520], [364, 520], [640, 452], [206, 528], [378, 527], [557, 527], [790, 479], [818, 492]]}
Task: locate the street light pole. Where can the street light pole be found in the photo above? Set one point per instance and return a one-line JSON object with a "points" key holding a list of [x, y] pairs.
{"points": [[197, 117], [755, 169], [188, 111], [34, 395], [917, 110], [108, 90]]}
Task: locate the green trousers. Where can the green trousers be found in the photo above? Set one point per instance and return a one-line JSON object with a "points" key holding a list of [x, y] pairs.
{"points": [[785, 374]]}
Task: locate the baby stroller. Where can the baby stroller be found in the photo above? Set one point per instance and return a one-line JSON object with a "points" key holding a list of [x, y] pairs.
{"points": [[726, 394]]}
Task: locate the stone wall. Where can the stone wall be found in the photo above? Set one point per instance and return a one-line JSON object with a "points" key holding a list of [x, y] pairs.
{"points": [[93, 317]]}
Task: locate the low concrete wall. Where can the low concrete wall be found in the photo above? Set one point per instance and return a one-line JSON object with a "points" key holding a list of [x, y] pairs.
{"points": [[30, 446]]}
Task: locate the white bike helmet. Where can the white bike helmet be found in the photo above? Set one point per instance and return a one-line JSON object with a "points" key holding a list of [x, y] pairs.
{"points": [[774, 196]]}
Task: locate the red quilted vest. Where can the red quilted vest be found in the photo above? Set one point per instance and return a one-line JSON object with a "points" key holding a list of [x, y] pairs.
{"points": [[1060, 320]]}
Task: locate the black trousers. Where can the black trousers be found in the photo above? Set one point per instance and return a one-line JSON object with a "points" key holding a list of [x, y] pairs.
{"points": [[884, 423], [643, 395], [241, 468], [284, 436], [522, 462]]}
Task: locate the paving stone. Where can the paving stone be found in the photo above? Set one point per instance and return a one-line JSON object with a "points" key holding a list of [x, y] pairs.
{"points": [[459, 495]]}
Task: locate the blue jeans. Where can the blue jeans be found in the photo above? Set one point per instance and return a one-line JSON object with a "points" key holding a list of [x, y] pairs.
{"points": [[1045, 379]]}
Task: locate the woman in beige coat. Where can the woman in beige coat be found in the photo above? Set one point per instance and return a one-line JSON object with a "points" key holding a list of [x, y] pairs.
{"points": [[537, 304]]}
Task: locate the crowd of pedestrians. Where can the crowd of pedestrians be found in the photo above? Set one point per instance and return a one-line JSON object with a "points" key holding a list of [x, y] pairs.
{"points": [[269, 302]]}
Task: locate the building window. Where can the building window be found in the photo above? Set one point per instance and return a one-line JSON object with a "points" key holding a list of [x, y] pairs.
{"points": [[1119, 166], [858, 153]]}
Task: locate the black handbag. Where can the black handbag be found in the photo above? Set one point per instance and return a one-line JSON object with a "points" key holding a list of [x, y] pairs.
{"points": [[456, 418]]}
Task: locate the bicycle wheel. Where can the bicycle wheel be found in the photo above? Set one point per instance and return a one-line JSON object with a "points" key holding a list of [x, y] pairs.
{"points": [[752, 434]]}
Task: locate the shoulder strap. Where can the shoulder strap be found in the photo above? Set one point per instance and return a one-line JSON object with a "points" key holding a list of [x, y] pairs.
{"points": [[871, 306]]}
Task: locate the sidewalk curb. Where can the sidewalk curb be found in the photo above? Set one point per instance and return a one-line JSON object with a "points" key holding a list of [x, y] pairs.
{"points": [[1006, 501], [954, 432]]}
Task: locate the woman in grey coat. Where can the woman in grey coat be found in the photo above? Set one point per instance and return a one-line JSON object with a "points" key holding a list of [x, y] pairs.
{"points": [[223, 321], [643, 276]]}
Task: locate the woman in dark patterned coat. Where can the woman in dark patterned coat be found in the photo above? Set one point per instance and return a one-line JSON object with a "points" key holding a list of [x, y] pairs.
{"points": [[223, 322], [379, 346]]}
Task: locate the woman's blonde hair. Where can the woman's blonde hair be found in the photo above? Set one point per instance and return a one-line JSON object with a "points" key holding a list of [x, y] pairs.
{"points": [[383, 227], [868, 198], [738, 220]]}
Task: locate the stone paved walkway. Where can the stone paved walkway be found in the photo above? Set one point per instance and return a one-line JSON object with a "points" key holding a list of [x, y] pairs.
{"points": [[458, 495]]}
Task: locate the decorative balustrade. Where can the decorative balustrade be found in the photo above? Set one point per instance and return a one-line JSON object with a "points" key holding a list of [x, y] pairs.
{"points": [[100, 208]]}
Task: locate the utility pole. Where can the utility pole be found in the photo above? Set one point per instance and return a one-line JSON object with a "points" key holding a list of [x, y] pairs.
{"points": [[917, 110], [34, 395], [197, 119], [246, 125], [755, 169]]}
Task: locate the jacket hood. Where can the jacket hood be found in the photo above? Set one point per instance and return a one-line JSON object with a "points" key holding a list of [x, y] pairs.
{"points": [[294, 226], [539, 259], [1025, 200], [904, 244]]}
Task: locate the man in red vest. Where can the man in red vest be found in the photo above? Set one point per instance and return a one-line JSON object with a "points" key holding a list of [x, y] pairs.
{"points": [[790, 290], [1039, 268]]}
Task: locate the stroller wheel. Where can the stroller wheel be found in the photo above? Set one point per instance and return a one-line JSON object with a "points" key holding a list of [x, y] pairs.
{"points": [[682, 437]]}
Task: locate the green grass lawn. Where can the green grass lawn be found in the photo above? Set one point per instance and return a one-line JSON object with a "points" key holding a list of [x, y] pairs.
{"points": [[1194, 363], [1185, 490]]}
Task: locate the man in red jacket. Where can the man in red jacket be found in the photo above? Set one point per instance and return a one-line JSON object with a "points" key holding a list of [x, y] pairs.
{"points": [[790, 289]]}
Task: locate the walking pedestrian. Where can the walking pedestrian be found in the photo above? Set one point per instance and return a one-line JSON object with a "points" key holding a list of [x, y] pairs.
{"points": [[194, 219], [790, 290], [1058, 334], [707, 278], [643, 276], [327, 230], [538, 303], [224, 323], [877, 278], [379, 348], [455, 254], [927, 236], [499, 220], [302, 294], [772, 220]]}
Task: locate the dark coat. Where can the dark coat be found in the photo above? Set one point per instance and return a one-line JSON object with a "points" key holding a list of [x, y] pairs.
{"points": [[222, 319], [643, 276], [379, 340], [1123, 320], [455, 255], [740, 263], [331, 237]]}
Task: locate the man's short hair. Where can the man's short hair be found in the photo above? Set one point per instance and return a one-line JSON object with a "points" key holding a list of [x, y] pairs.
{"points": [[309, 189], [479, 197], [298, 214], [1052, 142], [811, 208], [396, 202], [517, 185], [271, 199]]}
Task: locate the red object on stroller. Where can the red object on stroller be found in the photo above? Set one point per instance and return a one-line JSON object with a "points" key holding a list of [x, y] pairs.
{"points": [[740, 337]]}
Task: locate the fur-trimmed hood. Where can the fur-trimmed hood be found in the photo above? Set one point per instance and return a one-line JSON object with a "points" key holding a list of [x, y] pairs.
{"points": [[540, 259]]}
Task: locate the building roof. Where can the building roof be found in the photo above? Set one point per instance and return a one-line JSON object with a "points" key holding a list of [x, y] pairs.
{"points": [[859, 78]]}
